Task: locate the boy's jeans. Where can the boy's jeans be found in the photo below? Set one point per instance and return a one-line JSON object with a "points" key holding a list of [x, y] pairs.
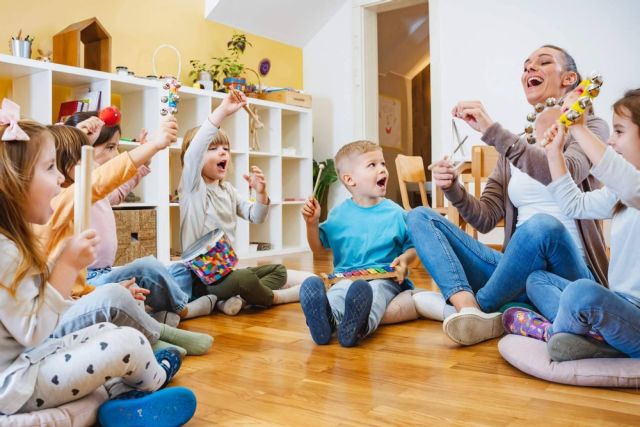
{"points": [[583, 305], [384, 290], [457, 262], [167, 293]]}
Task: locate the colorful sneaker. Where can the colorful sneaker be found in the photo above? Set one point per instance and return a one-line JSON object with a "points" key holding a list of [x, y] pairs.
{"points": [[357, 307], [170, 359], [317, 311], [525, 322], [471, 326], [564, 346], [168, 407]]}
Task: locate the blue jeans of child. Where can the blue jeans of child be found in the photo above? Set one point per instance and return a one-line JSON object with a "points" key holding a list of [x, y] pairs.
{"points": [[457, 262], [384, 290], [166, 292], [583, 305]]}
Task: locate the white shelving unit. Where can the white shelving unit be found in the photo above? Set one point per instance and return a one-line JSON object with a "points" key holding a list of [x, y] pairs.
{"points": [[284, 154]]}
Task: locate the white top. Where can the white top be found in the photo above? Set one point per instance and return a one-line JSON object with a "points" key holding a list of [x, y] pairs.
{"points": [[26, 321], [622, 181], [531, 197], [204, 207]]}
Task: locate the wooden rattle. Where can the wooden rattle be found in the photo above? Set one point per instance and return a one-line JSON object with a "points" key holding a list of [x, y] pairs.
{"points": [[364, 274], [82, 191]]}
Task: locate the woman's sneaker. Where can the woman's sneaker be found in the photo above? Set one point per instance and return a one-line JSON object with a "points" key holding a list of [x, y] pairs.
{"points": [[317, 311], [564, 346], [471, 326], [169, 407]]}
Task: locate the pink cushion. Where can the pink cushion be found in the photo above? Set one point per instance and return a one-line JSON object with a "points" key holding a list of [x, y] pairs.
{"points": [[531, 356], [79, 413]]}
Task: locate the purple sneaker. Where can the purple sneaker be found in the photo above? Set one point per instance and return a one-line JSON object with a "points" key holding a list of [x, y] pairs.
{"points": [[525, 322]]}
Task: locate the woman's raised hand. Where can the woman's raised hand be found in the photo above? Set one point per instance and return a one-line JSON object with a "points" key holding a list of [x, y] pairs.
{"points": [[444, 173], [474, 114]]}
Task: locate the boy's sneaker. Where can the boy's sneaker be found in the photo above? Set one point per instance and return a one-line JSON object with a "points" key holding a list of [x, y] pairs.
{"points": [[470, 326], [168, 407], [526, 322], [357, 307], [317, 311], [564, 346], [170, 359]]}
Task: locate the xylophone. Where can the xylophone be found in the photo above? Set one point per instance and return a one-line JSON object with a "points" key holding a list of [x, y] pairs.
{"points": [[365, 274], [211, 257]]}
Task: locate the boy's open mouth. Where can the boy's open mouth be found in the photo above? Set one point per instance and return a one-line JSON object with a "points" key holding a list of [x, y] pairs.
{"points": [[382, 182]]}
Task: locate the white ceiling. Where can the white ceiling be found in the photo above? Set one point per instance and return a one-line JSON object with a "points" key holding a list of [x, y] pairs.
{"points": [[403, 40], [293, 22]]}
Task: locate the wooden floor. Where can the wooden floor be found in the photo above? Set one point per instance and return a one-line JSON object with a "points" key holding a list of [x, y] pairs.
{"points": [[264, 369]]}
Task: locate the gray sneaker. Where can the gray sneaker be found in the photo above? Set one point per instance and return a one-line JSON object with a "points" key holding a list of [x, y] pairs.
{"points": [[564, 346]]}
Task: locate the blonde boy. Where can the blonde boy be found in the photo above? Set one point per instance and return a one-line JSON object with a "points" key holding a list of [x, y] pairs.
{"points": [[364, 231]]}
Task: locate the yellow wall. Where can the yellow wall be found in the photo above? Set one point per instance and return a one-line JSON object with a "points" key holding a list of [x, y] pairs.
{"points": [[137, 27]]}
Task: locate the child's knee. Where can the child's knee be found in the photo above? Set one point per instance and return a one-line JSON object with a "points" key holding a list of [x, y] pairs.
{"points": [[584, 293]]}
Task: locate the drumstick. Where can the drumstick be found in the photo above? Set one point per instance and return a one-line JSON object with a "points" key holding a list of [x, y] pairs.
{"points": [[315, 187], [246, 108], [82, 191]]}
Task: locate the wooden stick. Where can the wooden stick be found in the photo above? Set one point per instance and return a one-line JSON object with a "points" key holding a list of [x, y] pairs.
{"points": [[82, 191], [315, 187], [246, 108]]}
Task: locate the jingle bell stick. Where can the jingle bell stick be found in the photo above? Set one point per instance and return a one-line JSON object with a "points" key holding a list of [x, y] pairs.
{"points": [[82, 191], [247, 109], [315, 187]]}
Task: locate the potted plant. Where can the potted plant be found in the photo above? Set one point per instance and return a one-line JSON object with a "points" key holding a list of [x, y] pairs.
{"points": [[200, 71], [328, 177]]}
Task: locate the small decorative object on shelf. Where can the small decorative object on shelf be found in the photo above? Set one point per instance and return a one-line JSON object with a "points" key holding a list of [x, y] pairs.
{"points": [[21, 46], [110, 116], [170, 97], [45, 56], [211, 257], [132, 198], [67, 45], [365, 274], [261, 246], [122, 70]]}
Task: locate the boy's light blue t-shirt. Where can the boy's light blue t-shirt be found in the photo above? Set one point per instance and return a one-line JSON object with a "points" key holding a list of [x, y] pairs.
{"points": [[364, 237]]}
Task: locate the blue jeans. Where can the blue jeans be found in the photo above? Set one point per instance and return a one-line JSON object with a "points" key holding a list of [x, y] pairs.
{"points": [[166, 292], [583, 305], [457, 262], [384, 290], [110, 303]]}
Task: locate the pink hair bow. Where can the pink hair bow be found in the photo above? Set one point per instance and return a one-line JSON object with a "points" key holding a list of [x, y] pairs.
{"points": [[9, 115]]}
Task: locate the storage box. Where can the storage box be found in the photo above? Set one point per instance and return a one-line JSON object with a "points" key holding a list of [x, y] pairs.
{"points": [[288, 97], [136, 230]]}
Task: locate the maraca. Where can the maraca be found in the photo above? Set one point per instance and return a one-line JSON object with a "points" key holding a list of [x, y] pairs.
{"points": [[110, 116]]}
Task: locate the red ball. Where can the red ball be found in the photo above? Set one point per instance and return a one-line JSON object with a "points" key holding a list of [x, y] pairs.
{"points": [[110, 116]]}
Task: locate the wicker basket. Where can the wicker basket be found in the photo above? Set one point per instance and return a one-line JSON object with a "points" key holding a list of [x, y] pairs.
{"points": [[136, 229]]}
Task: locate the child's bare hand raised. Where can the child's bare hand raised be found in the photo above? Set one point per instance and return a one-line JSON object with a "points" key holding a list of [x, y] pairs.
{"points": [[91, 127], [311, 211], [76, 254], [257, 181], [230, 104], [554, 138], [401, 268], [167, 133]]}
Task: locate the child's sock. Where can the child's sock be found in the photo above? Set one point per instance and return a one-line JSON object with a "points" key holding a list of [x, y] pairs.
{"points": [[431, 305], [231, 306], [161, 345], [284, 296], [522, 321], [167, 317], [193, 342], [200, 307]]}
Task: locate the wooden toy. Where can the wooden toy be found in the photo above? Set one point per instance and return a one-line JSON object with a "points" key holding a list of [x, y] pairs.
{"points": [[365, 274], [236, 93], [170, 97], [458, 145], [211, 257], [110, 116], [82, 191], [315, 187]]}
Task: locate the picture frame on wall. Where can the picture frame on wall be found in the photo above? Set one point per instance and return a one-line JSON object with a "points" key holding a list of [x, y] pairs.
{"points": [[390, 122]]}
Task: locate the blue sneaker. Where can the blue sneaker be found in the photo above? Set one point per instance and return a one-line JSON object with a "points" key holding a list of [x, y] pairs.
{"points": [[170, 359], [317, 311], [169, 407], [357, 306]]}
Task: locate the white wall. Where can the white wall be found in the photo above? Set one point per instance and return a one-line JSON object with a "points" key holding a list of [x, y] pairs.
{"points": [[328, 76], [478, 48]]}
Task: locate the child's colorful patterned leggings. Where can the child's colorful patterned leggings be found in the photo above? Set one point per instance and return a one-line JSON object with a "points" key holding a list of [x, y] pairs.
{"points": [[102, 353]]}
